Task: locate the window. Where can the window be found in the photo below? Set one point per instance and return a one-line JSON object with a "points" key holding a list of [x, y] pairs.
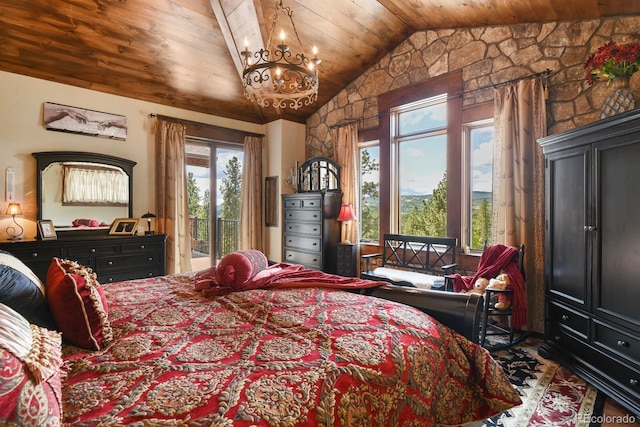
{"points": [[214, 179], [419, 152], [369, 191], [478, 184], [419, 142]]}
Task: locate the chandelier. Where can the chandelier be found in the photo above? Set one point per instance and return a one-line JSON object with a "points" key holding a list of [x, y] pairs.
{"points": [[275, 76]]}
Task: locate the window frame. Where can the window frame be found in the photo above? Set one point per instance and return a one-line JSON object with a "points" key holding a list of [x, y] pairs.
{"points": [[467, 184], [451, 84], [364, 145]]}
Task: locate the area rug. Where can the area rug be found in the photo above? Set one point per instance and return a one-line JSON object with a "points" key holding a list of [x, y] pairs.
{"points": [[552, 395]]}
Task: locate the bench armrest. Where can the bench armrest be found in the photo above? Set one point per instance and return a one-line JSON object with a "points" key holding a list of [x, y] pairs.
{"points": [[449, 268], [367, 260]]}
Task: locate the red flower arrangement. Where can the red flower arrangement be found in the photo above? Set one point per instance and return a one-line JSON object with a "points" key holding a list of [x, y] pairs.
{"points": [[613, 60]]}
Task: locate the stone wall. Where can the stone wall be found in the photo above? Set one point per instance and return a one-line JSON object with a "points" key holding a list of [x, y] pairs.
{"points": [[486, 56]]}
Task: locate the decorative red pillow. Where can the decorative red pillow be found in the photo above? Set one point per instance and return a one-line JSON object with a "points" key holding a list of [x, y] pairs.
{"points": [[30, 382], [78, 304], [237, 268]]}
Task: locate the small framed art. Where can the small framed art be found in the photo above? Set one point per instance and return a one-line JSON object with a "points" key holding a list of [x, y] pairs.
{"points": [[124, 226], [46, 230]]}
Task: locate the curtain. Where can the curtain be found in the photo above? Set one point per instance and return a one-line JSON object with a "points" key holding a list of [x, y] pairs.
{"points": [[251, 206], [345, 148], [518, 187], [172, 208]]}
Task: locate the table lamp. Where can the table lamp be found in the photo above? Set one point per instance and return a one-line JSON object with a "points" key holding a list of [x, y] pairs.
{"points": [[148, 216], [345, 216], [14, 209]]}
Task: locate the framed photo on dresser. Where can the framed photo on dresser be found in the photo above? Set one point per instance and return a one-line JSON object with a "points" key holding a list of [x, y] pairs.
{"points": [[46, 230], [124, 226]]}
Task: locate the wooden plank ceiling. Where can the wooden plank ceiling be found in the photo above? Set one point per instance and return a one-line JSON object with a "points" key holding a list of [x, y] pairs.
{"points": [[184, 53]]}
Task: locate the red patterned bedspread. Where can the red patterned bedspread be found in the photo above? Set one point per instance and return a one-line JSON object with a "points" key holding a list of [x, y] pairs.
{"points": [[279, 357]]}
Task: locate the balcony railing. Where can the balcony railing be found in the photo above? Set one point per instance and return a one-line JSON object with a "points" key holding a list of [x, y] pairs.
{"points": [[226, 239]]}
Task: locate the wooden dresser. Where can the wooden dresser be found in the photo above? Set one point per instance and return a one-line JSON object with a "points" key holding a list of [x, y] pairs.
{"points": [[591, 254], [311, 232], [112, 258]]}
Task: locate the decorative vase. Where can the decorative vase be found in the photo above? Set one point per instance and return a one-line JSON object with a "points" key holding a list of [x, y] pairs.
{"points": [[620, 100]]}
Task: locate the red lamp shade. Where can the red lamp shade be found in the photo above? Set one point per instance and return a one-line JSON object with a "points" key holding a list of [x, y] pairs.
{"points": [[346, 213]]}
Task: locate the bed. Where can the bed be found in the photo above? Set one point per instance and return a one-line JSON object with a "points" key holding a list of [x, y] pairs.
{"points": [[292, 350]]}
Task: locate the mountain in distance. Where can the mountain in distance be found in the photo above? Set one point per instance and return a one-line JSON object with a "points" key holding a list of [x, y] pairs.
{"points": [[410, 200]]}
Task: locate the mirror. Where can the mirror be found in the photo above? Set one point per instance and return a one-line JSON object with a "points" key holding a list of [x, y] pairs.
{"points": [[74, 185], [319, 174]]}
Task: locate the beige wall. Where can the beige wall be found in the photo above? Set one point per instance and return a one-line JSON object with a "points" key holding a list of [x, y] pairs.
{"points": [[22, 133], [284, 147]]}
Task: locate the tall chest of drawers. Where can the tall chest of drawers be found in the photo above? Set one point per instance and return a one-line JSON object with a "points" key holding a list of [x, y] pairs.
{"points": [[311, 232], [112, 258]]}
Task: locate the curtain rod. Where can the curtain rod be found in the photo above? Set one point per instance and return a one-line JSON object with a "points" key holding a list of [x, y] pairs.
{"points": [[177, 120], [493, 86]]}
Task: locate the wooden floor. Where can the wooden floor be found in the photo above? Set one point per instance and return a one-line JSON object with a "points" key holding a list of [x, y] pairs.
{"points": [[614, 415]]}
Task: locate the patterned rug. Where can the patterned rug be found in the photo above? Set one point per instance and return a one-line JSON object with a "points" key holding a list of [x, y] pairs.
{"points": [[552, 395]]}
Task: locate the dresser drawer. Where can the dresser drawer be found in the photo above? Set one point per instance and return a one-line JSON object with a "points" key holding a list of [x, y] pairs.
{"points": [[311, 260], [75, 252], [141, 247], [311, 228], [303, 242], [303, 215], [119, 276], [303, 203], [569, 318], [126, 261], [617, 341]]}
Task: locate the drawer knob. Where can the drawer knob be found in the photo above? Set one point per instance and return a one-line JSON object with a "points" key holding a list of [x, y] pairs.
{"points": [[150, 258], [565, 317], [93, 250], [557, 338], [150, 274], [141, 246], [34, 255], [315, 244], [110, 279], [633, 382], [621, 343], [110, 263]]}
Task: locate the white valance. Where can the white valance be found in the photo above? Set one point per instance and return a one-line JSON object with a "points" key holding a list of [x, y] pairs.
{"points": [[86, 183]]}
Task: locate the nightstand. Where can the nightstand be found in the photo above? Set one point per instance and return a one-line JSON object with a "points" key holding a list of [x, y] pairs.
{"points": [[346, 265]]}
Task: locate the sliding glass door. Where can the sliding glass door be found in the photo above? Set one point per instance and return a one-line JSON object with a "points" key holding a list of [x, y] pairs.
{"points": [[214, 185]]}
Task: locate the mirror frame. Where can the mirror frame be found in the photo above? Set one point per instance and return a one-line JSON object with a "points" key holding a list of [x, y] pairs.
{"points": [[45, 158]]}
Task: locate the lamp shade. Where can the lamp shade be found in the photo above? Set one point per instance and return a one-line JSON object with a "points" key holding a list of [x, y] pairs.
{"points": [[148, 215], [14, 209], [346, 213]]}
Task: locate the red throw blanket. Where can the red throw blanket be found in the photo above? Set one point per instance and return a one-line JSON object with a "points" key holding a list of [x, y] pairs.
{"points": [[283, 275], [495, 259]]}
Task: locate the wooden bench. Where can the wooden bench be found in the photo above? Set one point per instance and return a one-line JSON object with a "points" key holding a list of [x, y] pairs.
{"points": [[416, 261]]}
